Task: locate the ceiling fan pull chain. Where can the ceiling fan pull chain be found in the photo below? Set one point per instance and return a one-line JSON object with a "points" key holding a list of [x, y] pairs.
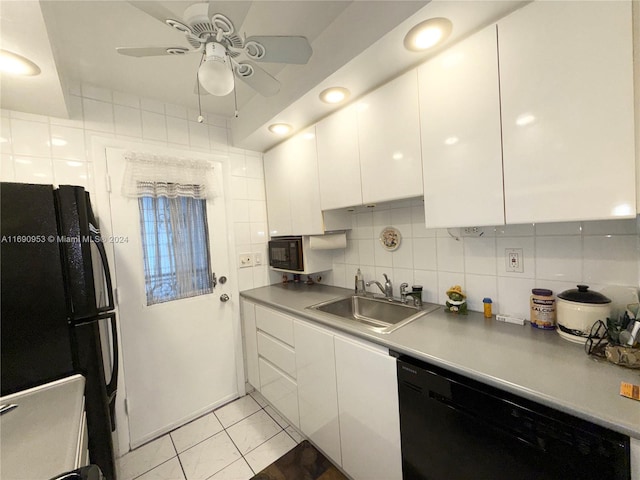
{"points": [[235, 96], [200, 117]]}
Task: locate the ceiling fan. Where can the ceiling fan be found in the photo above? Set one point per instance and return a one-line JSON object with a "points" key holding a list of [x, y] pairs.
{"points": [[224, 51]]}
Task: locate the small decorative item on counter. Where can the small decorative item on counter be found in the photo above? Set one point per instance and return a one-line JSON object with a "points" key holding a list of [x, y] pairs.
{"points": [[296, 278], [543, 309], [285, 279], [486, 303], [309, 280], [456, 302]]}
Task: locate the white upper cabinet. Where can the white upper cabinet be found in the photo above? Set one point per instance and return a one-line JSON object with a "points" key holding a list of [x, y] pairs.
{"points": [[460, 125], [339, 160], [389, 141], [291, 179], [566, 84]]}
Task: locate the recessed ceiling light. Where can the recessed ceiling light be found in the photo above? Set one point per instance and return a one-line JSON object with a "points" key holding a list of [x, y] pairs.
{"points": [[428, 34], [15, 64], [280, 128], [334, 95]]}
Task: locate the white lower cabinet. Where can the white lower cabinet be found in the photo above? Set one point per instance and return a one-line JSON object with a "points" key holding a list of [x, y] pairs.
{"points": [[280, 390], [317, 394], [248, 312], [368, 410]]}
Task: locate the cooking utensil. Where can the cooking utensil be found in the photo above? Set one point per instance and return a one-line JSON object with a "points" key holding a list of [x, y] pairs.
{"points": [[578, 309]]}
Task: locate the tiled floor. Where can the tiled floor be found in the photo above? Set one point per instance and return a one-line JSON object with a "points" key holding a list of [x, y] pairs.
{"points": [[233, 443]]}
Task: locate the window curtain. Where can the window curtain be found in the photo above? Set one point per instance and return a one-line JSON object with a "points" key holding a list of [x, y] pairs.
{"points": [[171, 177], [172, 194]]}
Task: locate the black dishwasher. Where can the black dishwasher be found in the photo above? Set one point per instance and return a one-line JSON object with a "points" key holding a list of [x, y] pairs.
{"points": [[454, 428]]}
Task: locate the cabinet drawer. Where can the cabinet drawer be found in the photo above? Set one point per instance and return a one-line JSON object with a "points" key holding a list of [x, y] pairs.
{"points": [[278, 353], [280, 390], [275, 324]]}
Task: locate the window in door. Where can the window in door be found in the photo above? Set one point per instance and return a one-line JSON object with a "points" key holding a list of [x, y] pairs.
{"points": [[175, 244]]}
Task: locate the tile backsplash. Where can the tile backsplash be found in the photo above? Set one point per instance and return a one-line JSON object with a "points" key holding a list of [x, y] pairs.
{"points": [[50, 150], [555, 255]]}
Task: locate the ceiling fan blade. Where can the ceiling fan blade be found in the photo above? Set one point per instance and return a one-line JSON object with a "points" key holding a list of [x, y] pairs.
{"points": [[155, 9], [280, 49], [152, 51], [261, 81]]}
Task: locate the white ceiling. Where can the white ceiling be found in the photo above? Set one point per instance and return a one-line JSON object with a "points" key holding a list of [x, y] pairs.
{"points": [[356, 44]]}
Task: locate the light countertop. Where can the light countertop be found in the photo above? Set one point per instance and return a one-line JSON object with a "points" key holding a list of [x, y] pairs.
{"points": [[40, 438], [535, 364]]}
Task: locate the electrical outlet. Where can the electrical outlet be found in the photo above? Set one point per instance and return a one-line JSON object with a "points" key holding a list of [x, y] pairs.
{"points": [[472, 232], [246, 260], [257, 259], [514, 260]]}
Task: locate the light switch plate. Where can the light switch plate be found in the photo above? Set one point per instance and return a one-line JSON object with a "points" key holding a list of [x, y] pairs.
{"points": [[257, 259], [245, 260]]}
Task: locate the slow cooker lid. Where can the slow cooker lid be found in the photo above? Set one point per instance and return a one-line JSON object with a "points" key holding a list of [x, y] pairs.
{"points": [[582, 294]]}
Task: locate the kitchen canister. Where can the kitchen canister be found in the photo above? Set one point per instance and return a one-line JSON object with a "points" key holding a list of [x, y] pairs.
{"points": [[543, 309]]}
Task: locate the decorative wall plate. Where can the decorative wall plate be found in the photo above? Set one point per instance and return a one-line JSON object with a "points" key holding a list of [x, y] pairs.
{"points": [[390, 238]]}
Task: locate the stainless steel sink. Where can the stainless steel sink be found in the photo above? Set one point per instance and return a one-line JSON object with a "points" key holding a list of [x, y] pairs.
{"points": [[377, 314]]}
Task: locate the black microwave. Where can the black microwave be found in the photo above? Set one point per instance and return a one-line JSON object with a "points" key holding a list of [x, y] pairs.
{"points": [[286, 253]]}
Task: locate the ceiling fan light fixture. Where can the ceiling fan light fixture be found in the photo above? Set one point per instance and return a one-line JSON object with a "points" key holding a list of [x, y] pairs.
{"points": [[14, 64], [280, 128], [334, 95], [428, 34], [214, 74]]}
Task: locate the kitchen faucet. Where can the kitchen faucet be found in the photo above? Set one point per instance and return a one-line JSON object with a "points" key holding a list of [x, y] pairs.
{"points": [[414, 296], [387, 289]]}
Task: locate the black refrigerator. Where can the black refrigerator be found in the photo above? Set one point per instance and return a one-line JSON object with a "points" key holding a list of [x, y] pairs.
{"points": [[57, 303]]}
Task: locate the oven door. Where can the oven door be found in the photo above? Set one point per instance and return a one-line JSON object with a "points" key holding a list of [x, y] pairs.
{"points": [[286, 254]]}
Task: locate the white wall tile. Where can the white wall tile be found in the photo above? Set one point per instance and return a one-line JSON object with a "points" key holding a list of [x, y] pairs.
{"points": [[126, 99], [254, 167], [152, 105], [177, 131], [128, 121], [477, 288], [403, 256], [351, 254], [98, 115], [198, 135], [514, 294], [381, 220], [364, 225], [257, 211], [260, 276], [450, 254], [240, 210], [524, 230], [611, 259], [5, 135], [178, 111], [382, 257], [429, 282], [96, 93], [480, 255], [255, 189], [366, 252], [259, 232], [70, 172], [31, 117], [611, 227], [559, 258], [237, 164], [239, 188], [30, 138], [67, 143], [154, 126], [7, 172], [425, 253], [74, 106], [401, 219], [399, 276], [242, 233], [33, 169], [218, 137], [561, 228]]}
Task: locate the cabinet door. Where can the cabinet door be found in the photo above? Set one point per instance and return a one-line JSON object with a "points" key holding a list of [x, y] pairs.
{"points": [[306, 213], [389, 141], [460, 126], [276, 179], [248, 313], [635, 459], [368, 408], [279, 389], [317, 395], [339, 160], [566, 84]]}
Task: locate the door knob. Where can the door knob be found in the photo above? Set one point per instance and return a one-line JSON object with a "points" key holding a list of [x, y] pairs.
{"points": [[224, 297]]}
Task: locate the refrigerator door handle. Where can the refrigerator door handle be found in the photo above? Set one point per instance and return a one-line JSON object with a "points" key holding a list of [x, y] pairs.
{"points": [[112, 387], [95, 238]]}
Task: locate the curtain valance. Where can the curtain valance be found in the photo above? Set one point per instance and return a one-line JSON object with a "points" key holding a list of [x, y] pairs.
{"points": [[148, 175]]}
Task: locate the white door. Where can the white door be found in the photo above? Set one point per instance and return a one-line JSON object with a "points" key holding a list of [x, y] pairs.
{"points": [[179, 356]]}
